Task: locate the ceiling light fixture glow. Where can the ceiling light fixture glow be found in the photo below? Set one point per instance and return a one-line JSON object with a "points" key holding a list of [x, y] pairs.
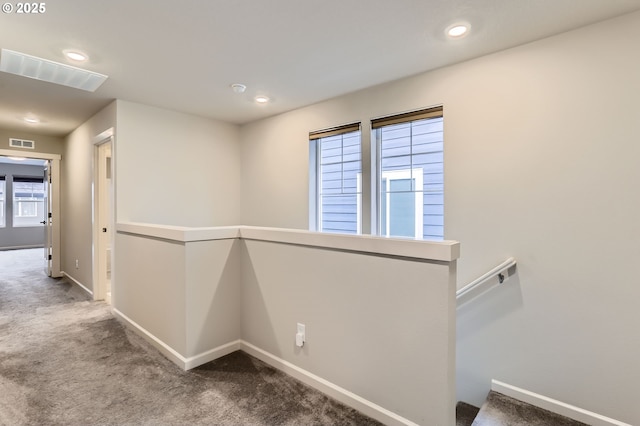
{"points": [[75, 55], [31, 120], [261, 99], [458, 30]]}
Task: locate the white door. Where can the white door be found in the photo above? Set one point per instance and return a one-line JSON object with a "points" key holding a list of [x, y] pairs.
{"points": [[48, 240], [104, 222]]}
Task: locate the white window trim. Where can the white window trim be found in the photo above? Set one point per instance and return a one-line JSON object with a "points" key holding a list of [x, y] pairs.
{"points": [[315, 183], [3, 185], [359, 203], [314, 188]]}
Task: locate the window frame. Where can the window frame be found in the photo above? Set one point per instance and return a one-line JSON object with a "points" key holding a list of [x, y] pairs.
{"points": [[3, 202], [315, 176], [376, 126], [28, 220], [429, 200]]}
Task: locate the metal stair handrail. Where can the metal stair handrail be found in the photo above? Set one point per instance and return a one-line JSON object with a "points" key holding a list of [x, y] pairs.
{"points": [[472, 289]]}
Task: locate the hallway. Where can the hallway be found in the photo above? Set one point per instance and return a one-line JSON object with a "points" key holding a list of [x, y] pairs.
{"points": [[65, 359]]}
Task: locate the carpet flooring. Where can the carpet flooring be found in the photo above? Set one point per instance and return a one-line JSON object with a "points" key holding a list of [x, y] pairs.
{"points": [[501, 410], [465, 413], [65, 360]]}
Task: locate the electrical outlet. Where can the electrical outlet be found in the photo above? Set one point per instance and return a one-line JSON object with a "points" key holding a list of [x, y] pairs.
{"points": [[77, 264], [300, 335]]}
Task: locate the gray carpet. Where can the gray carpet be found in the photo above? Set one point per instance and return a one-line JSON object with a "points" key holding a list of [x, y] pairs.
{"points": [[65, 360], [501, 410], [465, 413]]}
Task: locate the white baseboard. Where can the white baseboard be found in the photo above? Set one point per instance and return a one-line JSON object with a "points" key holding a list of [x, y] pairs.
{"points": [[172, 354], [76, 282], [210, 355], [554, 406], [165, 349], [334, 391]]}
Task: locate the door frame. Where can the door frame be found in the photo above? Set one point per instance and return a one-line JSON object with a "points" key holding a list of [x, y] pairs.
{"points": [[415, 174], [99, 287], [47, 222], [54, 161]]}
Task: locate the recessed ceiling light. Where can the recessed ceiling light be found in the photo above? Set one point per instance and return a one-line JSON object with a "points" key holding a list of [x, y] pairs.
{"points": [[75, 55], [261, 99], [31, 120], [458, 30], [238, 88]]}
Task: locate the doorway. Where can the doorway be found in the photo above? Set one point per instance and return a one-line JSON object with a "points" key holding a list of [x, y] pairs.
{"points": [[30, 200], [103, 212]]}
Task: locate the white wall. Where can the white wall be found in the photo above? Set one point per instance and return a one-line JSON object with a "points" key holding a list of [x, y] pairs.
{"points": [[541, 158], [275, 171], [175, 169], [76, 177], [171, 168]]}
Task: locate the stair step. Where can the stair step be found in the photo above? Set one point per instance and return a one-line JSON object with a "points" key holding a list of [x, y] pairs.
{"points": [[465, 413], [501, 410]]}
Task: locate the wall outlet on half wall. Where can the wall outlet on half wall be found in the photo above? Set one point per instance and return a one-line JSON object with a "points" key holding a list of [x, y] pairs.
{"points": [[300, 335]]}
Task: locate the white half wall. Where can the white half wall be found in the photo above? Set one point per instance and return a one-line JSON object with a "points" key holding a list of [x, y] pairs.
{"points": [[184, 293], [379, 313], [377, 326]]}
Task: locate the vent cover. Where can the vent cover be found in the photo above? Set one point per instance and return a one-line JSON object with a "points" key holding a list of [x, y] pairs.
{"points": [[53, 72], [21, 143]]}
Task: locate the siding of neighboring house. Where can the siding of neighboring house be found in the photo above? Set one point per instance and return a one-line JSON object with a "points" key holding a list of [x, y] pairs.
{"points": [[340, 167], [415, 148]]}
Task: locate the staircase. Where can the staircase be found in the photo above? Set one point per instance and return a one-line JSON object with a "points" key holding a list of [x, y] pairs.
{"points": [[501, 410]]}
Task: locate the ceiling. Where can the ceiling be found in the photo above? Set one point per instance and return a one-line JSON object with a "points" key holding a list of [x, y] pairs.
{"points": [[184, 55]]}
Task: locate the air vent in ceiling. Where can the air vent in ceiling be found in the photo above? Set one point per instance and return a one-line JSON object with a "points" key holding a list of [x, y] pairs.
{"points": [[21, 143], [53, 72]]}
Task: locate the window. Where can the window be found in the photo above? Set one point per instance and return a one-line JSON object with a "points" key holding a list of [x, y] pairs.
{"points": [[411, 174], [336, 182], [404, 184], [3, 222], [28, 201]]}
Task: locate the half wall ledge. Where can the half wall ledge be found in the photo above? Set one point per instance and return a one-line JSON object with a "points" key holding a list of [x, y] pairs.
{"points": [[443, 251]]}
